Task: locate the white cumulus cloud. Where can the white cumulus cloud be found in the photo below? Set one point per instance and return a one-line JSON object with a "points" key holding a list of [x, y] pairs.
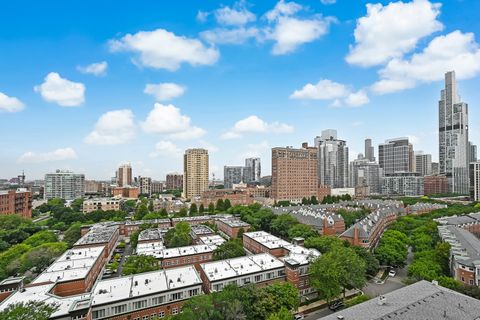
{"points": [[356, 99], [112, 128], [56, 155], [237, 15], [164, 91], [455, 51], [328, 1], [61, 91], [168, 120], [161, 49], [166, 148], [253, 124], [230, 36], [10, 104], [97, 68], [392, 30]]}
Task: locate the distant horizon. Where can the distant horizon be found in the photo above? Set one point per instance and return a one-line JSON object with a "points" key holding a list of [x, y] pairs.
{"points": [[82, 92]]}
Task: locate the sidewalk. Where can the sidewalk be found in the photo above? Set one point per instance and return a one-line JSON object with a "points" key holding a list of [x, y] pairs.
{"points": [[320, 304]]}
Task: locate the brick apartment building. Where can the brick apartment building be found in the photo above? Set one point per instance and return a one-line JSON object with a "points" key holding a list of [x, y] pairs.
{"points": [[236, 197], [17, 202], [231, 227], [126, 192], [437, 184], [103, 204], [174, 181]]}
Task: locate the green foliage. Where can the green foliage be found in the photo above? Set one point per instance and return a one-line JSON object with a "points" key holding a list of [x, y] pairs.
{"points": [[129, 205], [139, 264], [227, 204], [357, 300], [372, 264], [325, 244], [393, 248], [302, 230], [40, 237], [179, 236], [337, 270], [211, 208], [15, 229], [193, 209], [335, 199], [220, 206], [228, 250], [10, 259], [73, 234], [41, 256], [201, 209], [141, 211], [134, 239], [282, 314], [33, 310], [77, 204], [350, 216], [282, 224]]}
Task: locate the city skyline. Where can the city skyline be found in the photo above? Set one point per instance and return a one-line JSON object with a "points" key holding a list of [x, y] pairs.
{"points": [[243, 88]]}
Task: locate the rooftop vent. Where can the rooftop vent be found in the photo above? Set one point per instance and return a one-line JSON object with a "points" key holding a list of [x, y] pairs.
{"points": [[382, 300]]}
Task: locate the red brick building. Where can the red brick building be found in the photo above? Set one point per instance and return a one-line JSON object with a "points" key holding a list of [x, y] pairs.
{"points": [[231, 227], [126, 192], [435, 185], [17, 202]]}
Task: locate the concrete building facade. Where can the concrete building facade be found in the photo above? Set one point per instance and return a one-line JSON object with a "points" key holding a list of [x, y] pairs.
{"points": [[332, 160], [195, 175], [64, 185]]}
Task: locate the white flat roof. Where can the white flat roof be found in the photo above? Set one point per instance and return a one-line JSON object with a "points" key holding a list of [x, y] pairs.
{"points": [[40, 293], [114, 290], [237, 267], [162, 253], [74, 264], [268, 240], [215, 240]]}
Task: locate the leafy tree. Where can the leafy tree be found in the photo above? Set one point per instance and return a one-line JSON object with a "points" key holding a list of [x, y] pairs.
{"points": [[282, 224], [229, 249], [32, 310], [183, 212], [13, 254], [134, 239], [227, 204], [220, 205], [424, 269], [179, 236], [302, 230], [313, 200], [40, 238], [283, 314], [139, 264], [129, 205], [141, 211], [211, 208], [42, 256], [151, 208], [193, 209], [201, 209], [285, 295], [336, 271], [77, 204], [305, 201], [371, 262], [324, 244], [73, 234], [200, 308]]}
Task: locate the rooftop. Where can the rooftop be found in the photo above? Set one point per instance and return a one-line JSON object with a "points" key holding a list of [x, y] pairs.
{"points": [[230, 268], [113, 290], [234, 223], [74, 264], [98, 234], [152, 234], [201, 229], [421, 300], [465, 247], [214, 239], [157, 250]]}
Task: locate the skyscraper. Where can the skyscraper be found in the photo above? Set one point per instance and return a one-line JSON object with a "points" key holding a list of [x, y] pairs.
{"points": [[472, 156], [475, 181], [252, 171], [396, 156], [232, 175], [332, 160], [64, 185], [294, 173], [365, 173], [423, 163], [453, 137], [369, 150], [195, 172], [124, 175]]}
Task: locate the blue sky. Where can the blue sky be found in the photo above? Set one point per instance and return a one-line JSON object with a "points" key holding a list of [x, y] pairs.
{"points": [[87, 85]]}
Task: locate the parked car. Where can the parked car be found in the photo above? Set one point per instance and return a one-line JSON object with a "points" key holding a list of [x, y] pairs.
{"points": [[298, 316], [392, 273], [336, 305]]}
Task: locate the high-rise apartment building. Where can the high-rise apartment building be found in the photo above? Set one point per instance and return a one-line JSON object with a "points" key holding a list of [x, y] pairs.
{"points": [[472, 156], [252, 171], [365, 173], [435, 168], [232, 175], [332, 160], [17, 202], [369, 150], [64, 185], [294, 173], [403, 184], [475, 181], [195, 172], [174, 181], [453, 137], [145, 184], [435, 184], [423, 163], [396, 156], [124, 175]]}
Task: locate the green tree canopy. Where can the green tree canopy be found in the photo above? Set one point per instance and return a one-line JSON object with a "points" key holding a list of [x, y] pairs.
{"points": [[32, 310], [228, 250], [139, 264]]}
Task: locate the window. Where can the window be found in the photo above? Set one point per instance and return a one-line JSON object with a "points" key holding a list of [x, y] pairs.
{"points": [[158, 300], [98, 314], [145, 317], [174, 310], [139, 304], [193, 292], [245, 281], [217, 287], [258, 278], [176, 296], [161, 314], [119, 309]]}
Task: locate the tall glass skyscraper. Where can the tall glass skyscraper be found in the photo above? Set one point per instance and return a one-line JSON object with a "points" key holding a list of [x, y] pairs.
{"points": [[453, 137], [332, 160]]}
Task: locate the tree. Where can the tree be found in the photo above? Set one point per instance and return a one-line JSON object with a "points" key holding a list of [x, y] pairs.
{"points": [[283, 314], [134, 238], [151, 208], [129, 205], [220, 205], [201, 209], [77, 204], [305, 201], [193, 209], [228, 250], [200, 308], [324, 244], [139, 264], [313, 200], [40, 238], [141, 211], [42, 256], [282, 224], [211, 208], [337, 270], [285, 295], [179, 236], [32, 310], [371, 263], [73, 234], [302, 230], [227, 204]]}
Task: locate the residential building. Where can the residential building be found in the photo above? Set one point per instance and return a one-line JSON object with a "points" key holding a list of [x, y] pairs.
{"points": [[145, 184], [369, 150], [435, 168], [423, 163], [195, 175], [17, 202], [260, 269], [156, 187], [437, 184], [103, 204], [231, 227], [93, 187], [472, 156], [332, 160], [252, 171], [294, 173], [396, 156], [124, 175], [64, 185], [174, 181], [403, 184], [475, 181], [453, 136], [126, 192], [365, 173], [236, 197], [421, 300], [232, 175]]}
